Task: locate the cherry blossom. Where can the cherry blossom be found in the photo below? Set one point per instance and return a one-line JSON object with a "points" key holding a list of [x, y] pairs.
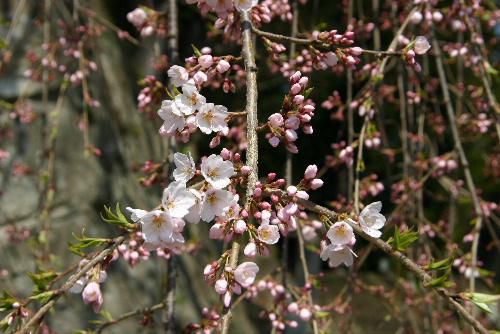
{"points": [[216, 171], [337, 254], [371, 220], [268, 233], [245, 273], [185, 168], [190, 100], [178, 75], [214, 203], [177, 200], [340, 234], [422, 45], [212, 118], [172, 117], [244, 5]]}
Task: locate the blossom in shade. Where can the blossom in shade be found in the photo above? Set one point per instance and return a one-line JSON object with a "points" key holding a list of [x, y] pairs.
{"points": [[212, 118], [137, 17], [371, 220], [216, 171], [336, 255], [193, 217], [190, 100], [214, 203], [268, 233], [178, 75], [184, 167], [245, 273], [421, 46], [341, 233], [177, 200]]}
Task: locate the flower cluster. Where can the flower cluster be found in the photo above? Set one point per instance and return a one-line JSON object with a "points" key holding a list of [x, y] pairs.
{"points": [[147, 21], [296, 112], [341, 235], [189, 111]]}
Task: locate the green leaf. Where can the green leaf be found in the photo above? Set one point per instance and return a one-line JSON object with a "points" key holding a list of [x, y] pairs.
{"points": [[322, 314], [85, 242], [6, 302], [441, 265], [481, 300], [401, 241], [490, 69], [42, 280], [197, 52], [308, 92], [441, 281], [116, 218], [43, 297], [482, 306]]}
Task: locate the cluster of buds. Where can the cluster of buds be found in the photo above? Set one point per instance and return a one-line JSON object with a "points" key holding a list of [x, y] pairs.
{"points": [[204, 69], [228, 281], [296, 112], [89, 287], [151, 94], [370, 186], [429, 17], [16, 234], [23, 111], [148, 22], [209, 323], [419, 46], [64, 56], [443, 165], [153, 173], [17, 314], [132, 251]]}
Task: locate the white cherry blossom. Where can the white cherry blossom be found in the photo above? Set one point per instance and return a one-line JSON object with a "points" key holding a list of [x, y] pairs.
{"points": [[190, 100], [336, 255], [185, 168], [268, 233], [136, 214], [172, 117], [212, 118], [193, 217], [422, 45], [214, 203], [178, 75], [216, 171], [341, 233], [245, 273], [371, 220], [177, 200], [244, 5], [157, 229]]}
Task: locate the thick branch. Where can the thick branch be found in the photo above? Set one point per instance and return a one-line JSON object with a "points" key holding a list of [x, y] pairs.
{"points": [[252, 139]]}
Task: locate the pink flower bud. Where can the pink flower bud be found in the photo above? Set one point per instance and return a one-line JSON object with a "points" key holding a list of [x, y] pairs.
{"points": [[291, 190], [303, 81], [200, 77], [240, 226], [276, 120], [222, 66], [316, 183], [227, 299], [295, 89], [305, 314], [205, 61], [292, 123], [221, 286], [311, 172], [250, 249], [291, 135], [293, 307], [91, 293], [302, 194], [356, 50], [298, 99], [295, 77], [245, 170], [274, 141]]}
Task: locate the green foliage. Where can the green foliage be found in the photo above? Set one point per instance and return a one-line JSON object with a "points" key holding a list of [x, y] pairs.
{"points": [[42, 280], [196, 51], [401, 241], [444, 266], [117, 218], [43, 297], [6, 302], [481, 300], [85, 242]]}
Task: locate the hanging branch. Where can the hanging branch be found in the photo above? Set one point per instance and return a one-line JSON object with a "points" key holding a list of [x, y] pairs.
{"points": [[129, 315], [253, 146], [38, 316], [451, 299], [463, 160]]}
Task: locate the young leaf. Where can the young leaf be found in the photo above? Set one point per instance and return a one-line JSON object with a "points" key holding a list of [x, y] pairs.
{"points": [[43, 297], [440, 265], [401, 241], [42, 280], [116, 218], [84, 243], [197, 52], [6, 302]]}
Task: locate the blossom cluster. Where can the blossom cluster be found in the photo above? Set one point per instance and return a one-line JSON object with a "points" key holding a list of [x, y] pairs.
{"points": [[296, 112], [89, 287]]}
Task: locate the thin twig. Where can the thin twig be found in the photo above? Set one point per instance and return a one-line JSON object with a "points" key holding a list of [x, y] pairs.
{"points": [[359, 164], [252, 155], [129, 315]]}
